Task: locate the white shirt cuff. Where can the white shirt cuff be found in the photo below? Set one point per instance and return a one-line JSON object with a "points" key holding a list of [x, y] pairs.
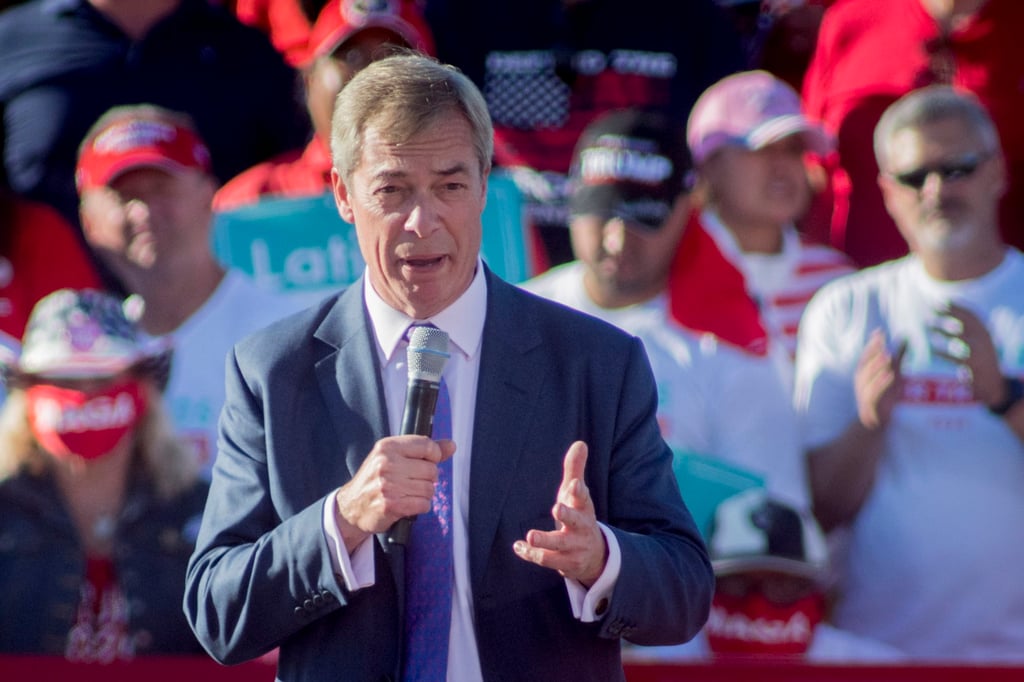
{"points": [[356, 570], [591, 605]]}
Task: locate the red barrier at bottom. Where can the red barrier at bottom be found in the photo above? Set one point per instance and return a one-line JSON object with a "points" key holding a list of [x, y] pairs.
{"points": [[795, 672], [199, 669], [150, 669]]}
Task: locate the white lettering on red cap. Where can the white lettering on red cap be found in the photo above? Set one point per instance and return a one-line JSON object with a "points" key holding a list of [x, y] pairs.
{"points": [[761, 630], [130, 135], [98, 414], [358, 12]]}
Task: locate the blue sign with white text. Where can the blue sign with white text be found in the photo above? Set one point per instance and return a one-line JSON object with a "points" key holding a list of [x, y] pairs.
{"points": [[302, 246]]}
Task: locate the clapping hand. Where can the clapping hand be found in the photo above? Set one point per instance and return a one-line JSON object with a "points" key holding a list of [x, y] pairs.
{"points": [[878, 381], [966, 342]]}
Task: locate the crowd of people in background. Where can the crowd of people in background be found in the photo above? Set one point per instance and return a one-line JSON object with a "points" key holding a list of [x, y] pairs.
{"points": [[808, 211]]}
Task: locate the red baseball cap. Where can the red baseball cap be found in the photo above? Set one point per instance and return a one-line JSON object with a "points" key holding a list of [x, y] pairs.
{"points": [[339, 20], [139, 141]]}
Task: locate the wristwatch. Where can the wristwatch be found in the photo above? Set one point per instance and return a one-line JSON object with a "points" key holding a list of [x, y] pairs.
{"points": [[1014, 394]]}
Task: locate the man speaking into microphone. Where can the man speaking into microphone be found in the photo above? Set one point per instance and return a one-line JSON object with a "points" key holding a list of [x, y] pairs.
{"points": [[554, 527]]}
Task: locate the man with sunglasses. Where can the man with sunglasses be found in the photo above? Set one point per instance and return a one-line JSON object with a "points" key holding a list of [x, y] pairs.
{"points": [[910, 395], [869, 53]]}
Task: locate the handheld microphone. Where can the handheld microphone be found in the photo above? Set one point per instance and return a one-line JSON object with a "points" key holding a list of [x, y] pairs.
{"points": [[426, 357]]}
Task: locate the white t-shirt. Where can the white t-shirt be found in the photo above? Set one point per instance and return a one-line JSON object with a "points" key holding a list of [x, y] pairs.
{"points": [[932, 562], [781, 283], [713, 399], [195, 390]]}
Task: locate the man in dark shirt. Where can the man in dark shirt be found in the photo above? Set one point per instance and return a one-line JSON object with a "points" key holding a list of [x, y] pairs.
{"points": [[64, 62]]}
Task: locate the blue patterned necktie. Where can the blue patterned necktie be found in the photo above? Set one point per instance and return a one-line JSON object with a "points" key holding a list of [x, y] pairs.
{"points": [[428, 571]]}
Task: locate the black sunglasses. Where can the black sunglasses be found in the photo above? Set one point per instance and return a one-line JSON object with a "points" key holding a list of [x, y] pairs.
{"points": [[949, 170]]}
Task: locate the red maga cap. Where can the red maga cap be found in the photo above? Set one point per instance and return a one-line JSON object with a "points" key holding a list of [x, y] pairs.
{"points": [[339, 20], [134, 142]]}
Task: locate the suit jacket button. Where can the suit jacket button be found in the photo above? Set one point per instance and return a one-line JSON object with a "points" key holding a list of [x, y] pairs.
{"points": [[601, 607], [308, 605], [298, 611]]}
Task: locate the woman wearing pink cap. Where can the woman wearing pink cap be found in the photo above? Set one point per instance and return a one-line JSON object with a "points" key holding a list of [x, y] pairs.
{"points": [[750, 142]]}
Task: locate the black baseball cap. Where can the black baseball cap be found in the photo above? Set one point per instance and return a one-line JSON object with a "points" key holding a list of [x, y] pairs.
{"points": [[752, 531], [629, 164]]}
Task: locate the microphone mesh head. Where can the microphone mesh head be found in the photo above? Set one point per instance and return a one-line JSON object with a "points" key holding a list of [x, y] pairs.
{"points": [[427, 353]]}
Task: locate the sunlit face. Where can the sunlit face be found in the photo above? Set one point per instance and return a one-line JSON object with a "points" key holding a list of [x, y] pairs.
{"points": [[764, 186], [326, 76], [625, 263], [416, 208], [943, 213], [147, 216]]}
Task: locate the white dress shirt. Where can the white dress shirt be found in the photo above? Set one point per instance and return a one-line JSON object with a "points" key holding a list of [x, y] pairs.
{"points": [[464, 323]]}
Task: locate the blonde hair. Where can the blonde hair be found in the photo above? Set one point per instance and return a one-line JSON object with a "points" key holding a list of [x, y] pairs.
{"points": [[158, 453], [404, 94]]}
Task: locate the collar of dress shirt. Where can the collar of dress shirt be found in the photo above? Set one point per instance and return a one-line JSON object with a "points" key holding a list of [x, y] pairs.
{"points": [[463, 319]]}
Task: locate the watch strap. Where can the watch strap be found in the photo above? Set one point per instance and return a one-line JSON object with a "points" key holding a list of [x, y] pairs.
{"points": [[1014, 394]]}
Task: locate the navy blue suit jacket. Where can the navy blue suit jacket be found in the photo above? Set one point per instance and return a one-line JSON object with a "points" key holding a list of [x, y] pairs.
{"points": [[305, 405]]}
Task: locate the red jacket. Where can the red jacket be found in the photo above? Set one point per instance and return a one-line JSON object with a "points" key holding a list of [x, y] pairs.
{"points": [[868, 55]]}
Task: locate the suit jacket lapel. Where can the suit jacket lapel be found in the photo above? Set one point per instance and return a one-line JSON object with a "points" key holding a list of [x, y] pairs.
{"points": [[506, 395], [349, 377]]}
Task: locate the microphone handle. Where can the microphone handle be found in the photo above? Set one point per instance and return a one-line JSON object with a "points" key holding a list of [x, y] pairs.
{"points": [[420, 403], [418, 419]]}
